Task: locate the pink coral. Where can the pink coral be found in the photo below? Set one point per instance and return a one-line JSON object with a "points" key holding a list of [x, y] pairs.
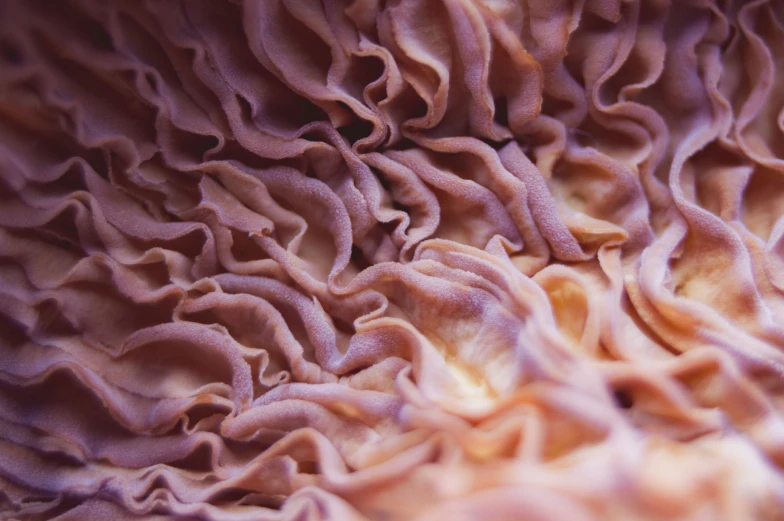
{"points": [[391, 259]]}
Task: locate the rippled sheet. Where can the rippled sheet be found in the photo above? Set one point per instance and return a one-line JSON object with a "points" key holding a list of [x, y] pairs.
{"points": [[391, 260]]}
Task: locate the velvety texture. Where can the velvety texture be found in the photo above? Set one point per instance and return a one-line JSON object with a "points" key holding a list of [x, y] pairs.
{"points": [[391, 260]]}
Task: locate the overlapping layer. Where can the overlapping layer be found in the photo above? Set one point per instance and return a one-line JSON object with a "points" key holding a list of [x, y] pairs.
{"points": [[391, 260]]}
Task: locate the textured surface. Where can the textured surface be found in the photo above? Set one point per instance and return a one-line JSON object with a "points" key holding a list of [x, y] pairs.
{"points": [[391, 259]]}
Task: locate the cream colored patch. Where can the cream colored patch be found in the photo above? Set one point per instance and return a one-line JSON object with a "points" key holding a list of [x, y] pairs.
{"points": [[472, 385]]}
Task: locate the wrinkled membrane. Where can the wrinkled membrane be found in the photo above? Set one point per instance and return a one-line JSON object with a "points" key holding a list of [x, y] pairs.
{"points": [[391, 260]]}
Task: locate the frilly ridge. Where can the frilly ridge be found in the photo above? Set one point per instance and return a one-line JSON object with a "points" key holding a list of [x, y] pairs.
{"points": [[386, 260]]}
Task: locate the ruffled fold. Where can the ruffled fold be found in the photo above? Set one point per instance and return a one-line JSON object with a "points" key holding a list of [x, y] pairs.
{"points": [[387, 260]]}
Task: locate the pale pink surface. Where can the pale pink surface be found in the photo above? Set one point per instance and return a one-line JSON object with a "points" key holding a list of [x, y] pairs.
{"points": [[391, 260]]}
